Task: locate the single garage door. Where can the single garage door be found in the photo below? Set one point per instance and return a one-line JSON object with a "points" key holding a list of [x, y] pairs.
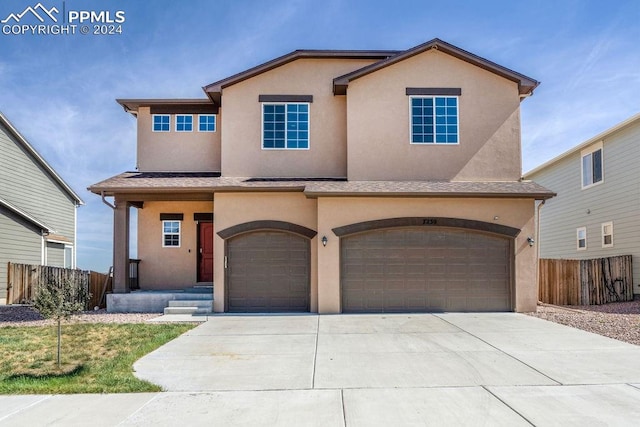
{"points": [[425, 269], [268, 271]]}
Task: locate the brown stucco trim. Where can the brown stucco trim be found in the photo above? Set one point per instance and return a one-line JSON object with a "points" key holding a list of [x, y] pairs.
{"points": [[267, 225], [426, 222], [171, 217], [526, 85], [285, 98], [449, 91], [203, 216]]}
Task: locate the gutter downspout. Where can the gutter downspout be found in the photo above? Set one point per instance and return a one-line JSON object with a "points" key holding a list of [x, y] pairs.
{"points": [[106, 202], [538, 247]]}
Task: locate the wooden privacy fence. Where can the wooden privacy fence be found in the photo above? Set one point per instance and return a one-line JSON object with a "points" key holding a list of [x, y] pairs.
{"points": [[23, 281], [585, 282]]}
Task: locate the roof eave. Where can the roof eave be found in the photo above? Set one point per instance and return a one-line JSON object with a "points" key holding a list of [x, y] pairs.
{"points": [[536, 196], [526, 85], [23, 214]]}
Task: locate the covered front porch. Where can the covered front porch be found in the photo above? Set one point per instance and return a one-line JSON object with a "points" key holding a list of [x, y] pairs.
{"points": [[174, 250]]}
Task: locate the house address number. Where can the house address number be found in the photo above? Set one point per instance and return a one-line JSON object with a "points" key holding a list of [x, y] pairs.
{"points": [[429, 221]]}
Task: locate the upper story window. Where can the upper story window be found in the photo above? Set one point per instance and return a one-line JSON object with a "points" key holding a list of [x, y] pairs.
{"points": [[170, 234], [285, 126], [184, 123], [607, 234], [434, 115], [206, 123], [581, 236], [592, 170], [161, 122]]}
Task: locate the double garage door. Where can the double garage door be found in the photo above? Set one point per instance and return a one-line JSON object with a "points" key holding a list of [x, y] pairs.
{"points": [[425, 269], [414, 269]]}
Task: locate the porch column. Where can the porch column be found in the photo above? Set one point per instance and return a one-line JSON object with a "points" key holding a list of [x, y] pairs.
{"points": [[121, 247]]}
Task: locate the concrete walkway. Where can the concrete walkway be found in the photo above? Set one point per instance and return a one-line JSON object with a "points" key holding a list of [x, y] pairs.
{"points": [[367, 370]]}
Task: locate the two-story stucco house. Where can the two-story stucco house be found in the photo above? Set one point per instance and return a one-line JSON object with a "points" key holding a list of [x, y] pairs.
{"points": [[37, 208], [595, 214], [337, 181]]}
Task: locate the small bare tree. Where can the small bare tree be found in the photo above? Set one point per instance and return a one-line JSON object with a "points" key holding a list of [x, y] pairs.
{"points": [[59, 299]]}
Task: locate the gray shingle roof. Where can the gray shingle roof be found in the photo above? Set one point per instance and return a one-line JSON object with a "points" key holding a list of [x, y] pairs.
{"points": [[141, 182]]}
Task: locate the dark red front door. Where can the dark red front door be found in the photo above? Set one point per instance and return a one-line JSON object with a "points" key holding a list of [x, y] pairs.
{"points": [[205, 252]]}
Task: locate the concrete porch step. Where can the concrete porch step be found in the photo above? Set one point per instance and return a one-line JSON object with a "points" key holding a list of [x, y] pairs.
{"points": [[200, 303], [189, 306]]}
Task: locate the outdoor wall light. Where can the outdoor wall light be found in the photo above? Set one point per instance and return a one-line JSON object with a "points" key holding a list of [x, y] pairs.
{"points": [[530, 240], [324, 240]]}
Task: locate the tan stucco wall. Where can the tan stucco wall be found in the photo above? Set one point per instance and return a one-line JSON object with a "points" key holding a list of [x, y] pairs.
{"points": [[379, 124], [242, 153], [324, 214], [177, 151], [168, 268], [238, 208], [336, 212]]}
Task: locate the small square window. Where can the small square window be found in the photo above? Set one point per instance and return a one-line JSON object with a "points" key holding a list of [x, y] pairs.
{"points": [[170, 234], [161, 122], [581, 234], [206, 123], [184, 123], [607, 235]]}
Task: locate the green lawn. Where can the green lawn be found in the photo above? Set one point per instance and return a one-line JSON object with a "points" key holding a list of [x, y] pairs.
{"points": [[96, 357]]}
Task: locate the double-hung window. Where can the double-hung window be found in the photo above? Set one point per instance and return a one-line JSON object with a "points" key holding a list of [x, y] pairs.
{"points": [[581, 236], [607, 234], [206, 123], [170, 234], [592, 170], [161, 122], [184, 123]]}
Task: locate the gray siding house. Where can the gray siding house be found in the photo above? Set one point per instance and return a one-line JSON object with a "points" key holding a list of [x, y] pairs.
{"points": [[37, 208], [597, 210]]}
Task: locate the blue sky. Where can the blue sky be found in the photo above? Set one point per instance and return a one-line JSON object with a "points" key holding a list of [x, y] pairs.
{"points": [[60, 90]]}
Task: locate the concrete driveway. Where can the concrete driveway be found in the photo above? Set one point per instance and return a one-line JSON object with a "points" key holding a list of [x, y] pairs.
{"points": [[367, 370]]}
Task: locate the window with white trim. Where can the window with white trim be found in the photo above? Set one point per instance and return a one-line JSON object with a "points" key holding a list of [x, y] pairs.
{"points": [[434, 119], [161, 122], [184, 123], [206, 123], [68, 256], [170, 234], [581, 236], [592, 166], [285, 126], [607, 234]]}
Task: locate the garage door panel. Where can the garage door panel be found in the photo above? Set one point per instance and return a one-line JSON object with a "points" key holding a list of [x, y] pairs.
{"points": [[268, 271], [425, 269]]}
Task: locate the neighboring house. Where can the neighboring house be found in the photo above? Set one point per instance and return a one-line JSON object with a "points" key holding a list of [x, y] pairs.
{"points": [[37, 208], [337, 181], [595, 214]]}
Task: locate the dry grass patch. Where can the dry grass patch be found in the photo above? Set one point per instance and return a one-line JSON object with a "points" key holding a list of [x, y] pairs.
{"points": [[96, 358]]}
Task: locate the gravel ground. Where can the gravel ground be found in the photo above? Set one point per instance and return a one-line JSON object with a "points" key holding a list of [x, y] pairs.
{"points": [[620, 321], [20, 315]]}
